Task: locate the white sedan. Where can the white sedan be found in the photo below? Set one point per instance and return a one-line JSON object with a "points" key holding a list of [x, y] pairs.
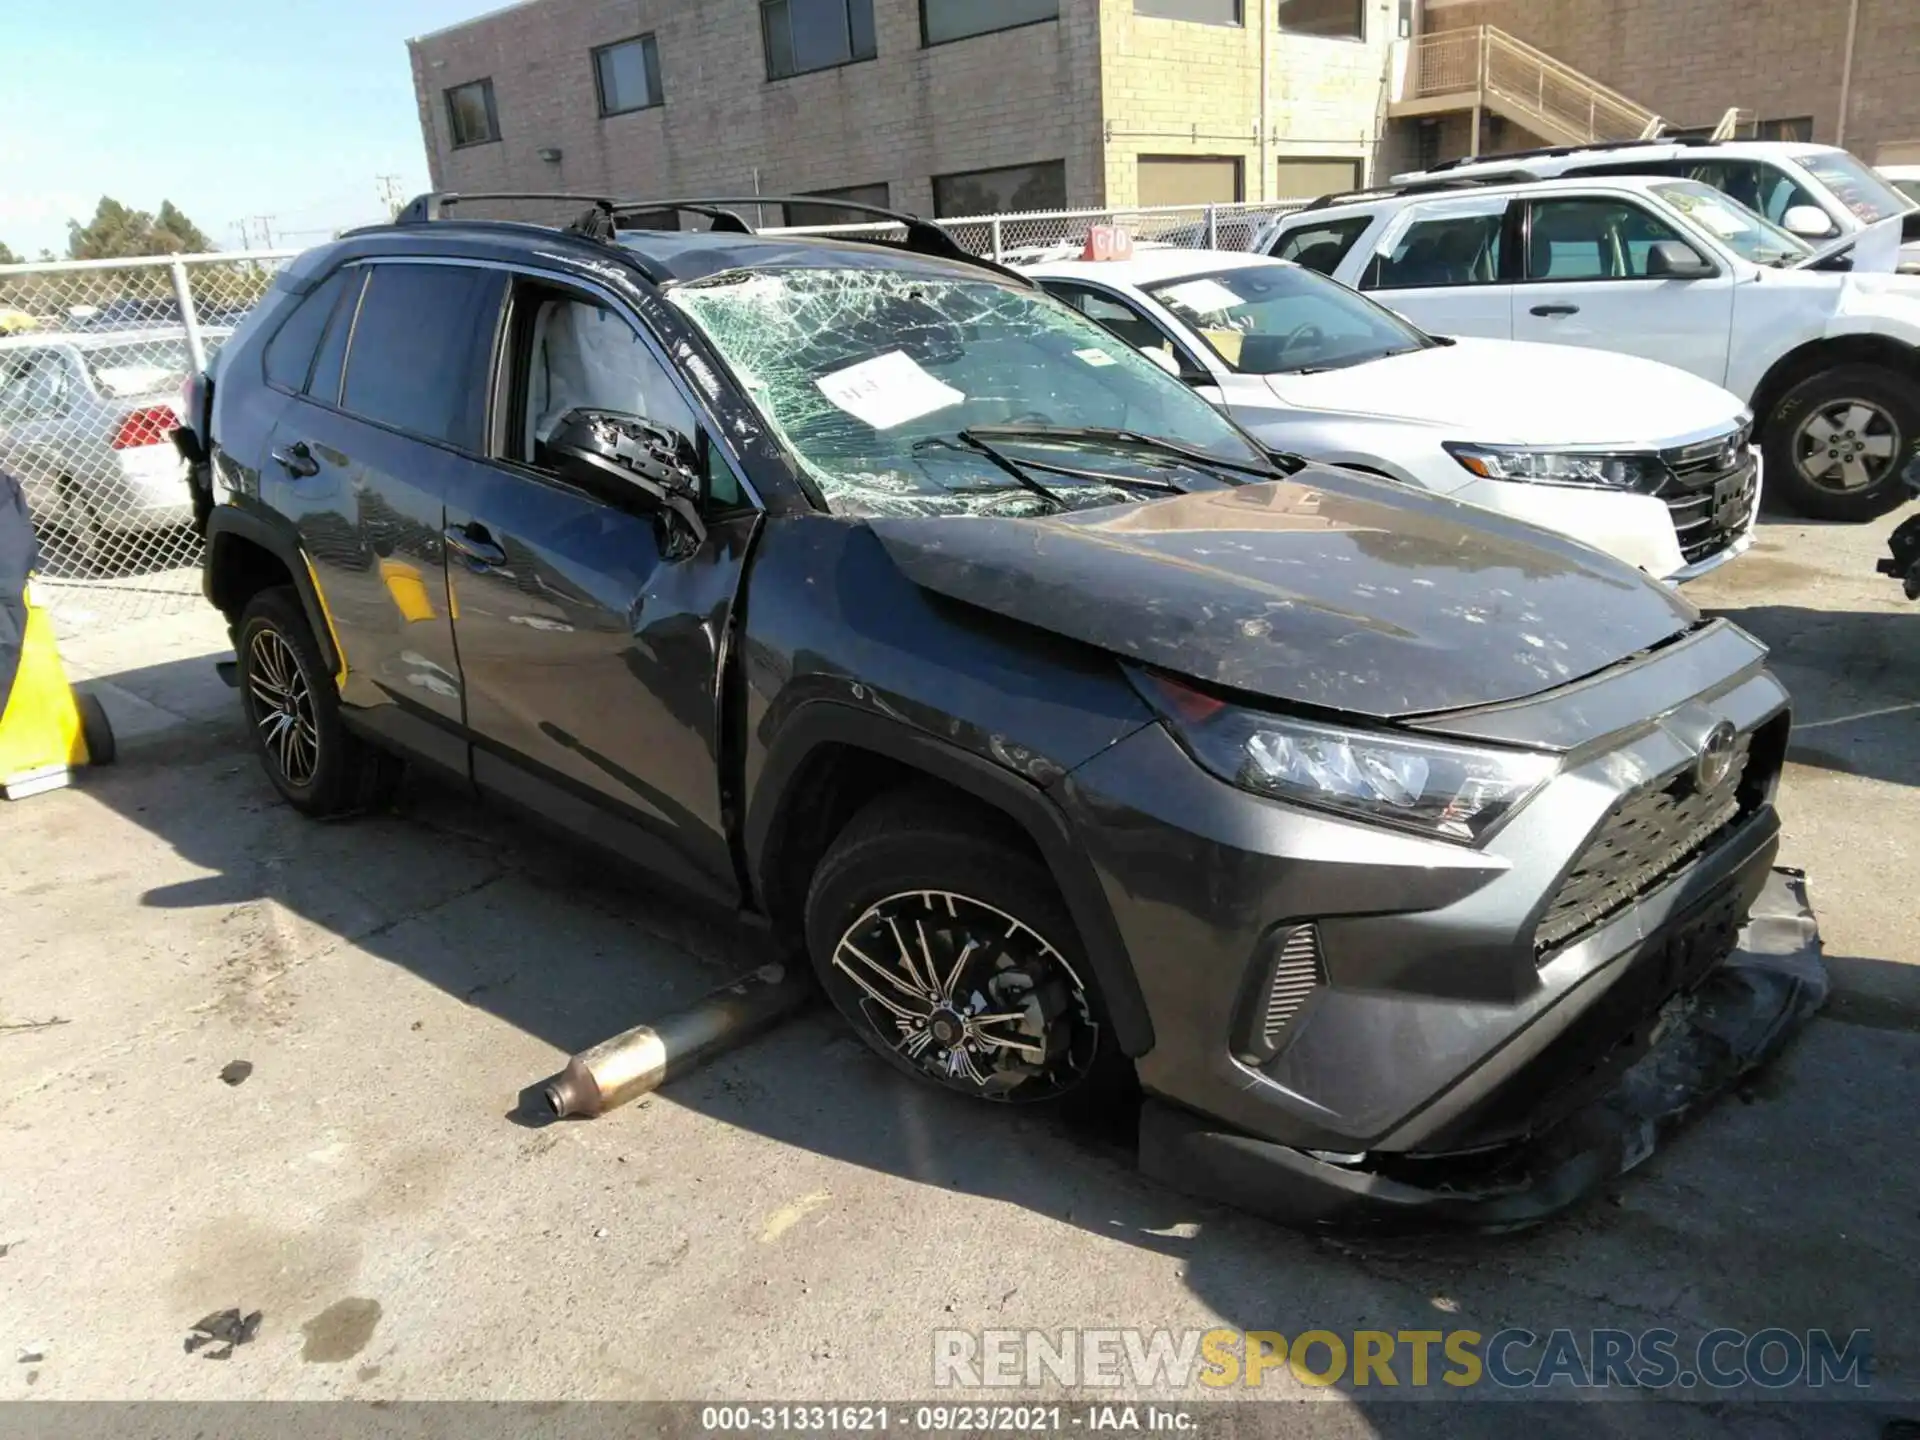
{"points": [[1641, 460]]}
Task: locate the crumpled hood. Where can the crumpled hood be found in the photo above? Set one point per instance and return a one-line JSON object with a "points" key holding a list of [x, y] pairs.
{"points": [[1330, 589], [1517, 392]]}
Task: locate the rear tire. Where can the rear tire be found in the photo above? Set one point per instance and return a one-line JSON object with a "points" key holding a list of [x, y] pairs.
{"points": [[927, 917], [293, 714], [1837, 442]]}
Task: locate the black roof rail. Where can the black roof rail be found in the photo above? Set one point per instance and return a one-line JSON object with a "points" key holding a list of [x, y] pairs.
{"points": [[600, 221]]}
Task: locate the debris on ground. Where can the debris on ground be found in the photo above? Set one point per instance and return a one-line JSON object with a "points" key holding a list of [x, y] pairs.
{"points": [[223, 1329], [235, 1071], [32, 1355], [22, 1026]]}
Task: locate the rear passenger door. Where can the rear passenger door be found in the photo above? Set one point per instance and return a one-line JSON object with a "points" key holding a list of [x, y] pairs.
{"points": [[386, 402], [1445, 265], [591, 630], [1587, 283]]}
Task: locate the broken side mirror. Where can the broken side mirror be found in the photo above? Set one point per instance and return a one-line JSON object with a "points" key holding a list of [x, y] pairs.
{"points": [[1809, 222], [633, 462]]}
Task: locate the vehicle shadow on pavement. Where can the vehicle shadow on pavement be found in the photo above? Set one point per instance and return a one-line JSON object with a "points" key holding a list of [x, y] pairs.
{"points": [[557, 942], [1855, 679]]}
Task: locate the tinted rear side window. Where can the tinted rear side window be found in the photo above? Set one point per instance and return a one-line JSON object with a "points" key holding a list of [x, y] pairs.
{"points": [[290, 352], [332, 359], [422, 350]]}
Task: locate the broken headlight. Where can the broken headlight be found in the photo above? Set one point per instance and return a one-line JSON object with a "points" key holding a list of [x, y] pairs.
{"points": [[1432, 787], [1561, 467]]}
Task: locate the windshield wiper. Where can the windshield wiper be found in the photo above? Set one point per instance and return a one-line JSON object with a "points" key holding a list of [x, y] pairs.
{"points": [[998, 461], [1105, 435]]}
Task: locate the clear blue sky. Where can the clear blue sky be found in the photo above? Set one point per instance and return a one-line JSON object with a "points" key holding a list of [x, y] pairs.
{"points": [[228, 108]]}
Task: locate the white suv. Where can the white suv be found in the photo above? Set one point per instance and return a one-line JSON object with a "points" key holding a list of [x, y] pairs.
{"points": [[1819, 192], [1827, 355]]}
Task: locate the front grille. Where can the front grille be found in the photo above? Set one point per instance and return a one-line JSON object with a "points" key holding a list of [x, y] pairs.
{"points": [[1710, 490], [1644, 839]]}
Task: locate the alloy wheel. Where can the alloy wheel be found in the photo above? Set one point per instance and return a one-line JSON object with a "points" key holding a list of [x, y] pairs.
{"points": [[969, 995], [1847, 444], [283, 707]]}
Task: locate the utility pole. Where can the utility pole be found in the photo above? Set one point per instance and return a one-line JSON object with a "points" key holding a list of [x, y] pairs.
{"points": [[241, 226], [265, 223], [388, 187]]}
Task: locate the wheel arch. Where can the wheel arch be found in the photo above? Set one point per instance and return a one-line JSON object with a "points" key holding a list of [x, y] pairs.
{"points": [[830, 759], [245, 555], [1824, 354]]}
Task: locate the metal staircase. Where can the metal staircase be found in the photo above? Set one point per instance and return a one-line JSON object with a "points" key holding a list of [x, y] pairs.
{"points": [[1483, 68]]}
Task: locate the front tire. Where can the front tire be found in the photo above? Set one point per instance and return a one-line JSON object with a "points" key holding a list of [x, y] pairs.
{"points": [[942, 940], [1837, 442], [293, 714]]}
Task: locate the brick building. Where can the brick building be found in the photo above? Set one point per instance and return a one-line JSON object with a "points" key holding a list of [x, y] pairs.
{"points": [[950, 107], [1842, 72]]}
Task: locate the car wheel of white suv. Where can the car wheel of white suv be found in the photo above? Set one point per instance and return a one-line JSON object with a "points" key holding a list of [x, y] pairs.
{"points": [[1837, 441]]}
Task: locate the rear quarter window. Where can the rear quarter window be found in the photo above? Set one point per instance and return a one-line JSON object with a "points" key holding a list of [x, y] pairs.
{"points": [[1322, 246], [290, 351]]}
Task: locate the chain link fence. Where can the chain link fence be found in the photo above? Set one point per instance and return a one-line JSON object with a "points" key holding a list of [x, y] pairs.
{"points": [[92, 358], [93, 354]]}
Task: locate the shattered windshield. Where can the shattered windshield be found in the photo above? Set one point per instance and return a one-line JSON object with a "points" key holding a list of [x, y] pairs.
{"points": [[1283, 320], [876, 380]]}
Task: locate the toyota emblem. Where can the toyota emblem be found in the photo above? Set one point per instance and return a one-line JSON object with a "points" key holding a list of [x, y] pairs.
{"points": [[1716, 757]]}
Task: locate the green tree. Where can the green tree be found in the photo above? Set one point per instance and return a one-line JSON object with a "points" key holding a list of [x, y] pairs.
{"points": [[117, 231], [170, 222], [7, 257]]}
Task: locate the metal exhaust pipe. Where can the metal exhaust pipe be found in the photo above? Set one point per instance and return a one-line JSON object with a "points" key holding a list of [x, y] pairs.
{"points": [[644, 1058]]}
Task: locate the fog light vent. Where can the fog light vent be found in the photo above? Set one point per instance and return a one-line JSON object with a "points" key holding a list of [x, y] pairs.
{"points": [[1295, 974]]}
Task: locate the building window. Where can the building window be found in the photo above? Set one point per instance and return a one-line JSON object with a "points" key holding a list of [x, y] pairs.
{"points": [[805, 35], [944, 20], [827, 214], [1203, 12], [627, 74], [471, 114], [1798, 127], [1189, 179], [1303, 178], [1343, 19], [1010, 188]]}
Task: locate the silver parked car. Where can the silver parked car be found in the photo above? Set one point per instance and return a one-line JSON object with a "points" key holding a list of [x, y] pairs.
{"points": [[85, 420]]}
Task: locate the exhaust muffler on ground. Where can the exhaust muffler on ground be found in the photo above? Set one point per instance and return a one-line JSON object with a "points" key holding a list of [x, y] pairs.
{"points": [[642, 1059]]}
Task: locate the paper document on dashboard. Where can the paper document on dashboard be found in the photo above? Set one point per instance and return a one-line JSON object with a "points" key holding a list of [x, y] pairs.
{"points": [[888, 390]]}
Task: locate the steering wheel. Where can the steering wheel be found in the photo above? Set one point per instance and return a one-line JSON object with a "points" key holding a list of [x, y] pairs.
{"points": [[1301, 335]]}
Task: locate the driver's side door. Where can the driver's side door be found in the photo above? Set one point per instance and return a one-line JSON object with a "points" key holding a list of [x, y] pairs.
{"points": [[590, 653]]}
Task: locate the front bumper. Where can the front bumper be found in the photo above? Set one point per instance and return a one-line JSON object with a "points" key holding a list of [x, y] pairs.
{"points": [[1445, 980], [1702, 1041]]}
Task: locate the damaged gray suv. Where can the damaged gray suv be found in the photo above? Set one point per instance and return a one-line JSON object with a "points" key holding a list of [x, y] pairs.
{"points": [[868, 591]]}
